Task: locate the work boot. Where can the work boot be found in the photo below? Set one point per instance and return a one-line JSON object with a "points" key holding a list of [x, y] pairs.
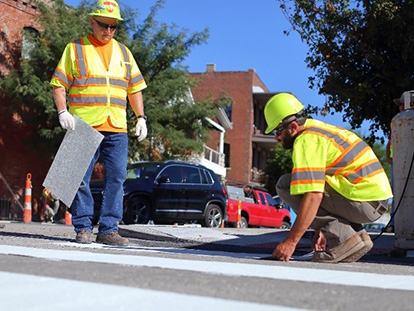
{"points": [[337, 253], [84, 237], [112, 238], [367, 247]]}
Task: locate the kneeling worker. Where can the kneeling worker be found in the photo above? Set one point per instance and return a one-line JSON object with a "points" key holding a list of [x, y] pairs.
{"points": [[336, 184]]}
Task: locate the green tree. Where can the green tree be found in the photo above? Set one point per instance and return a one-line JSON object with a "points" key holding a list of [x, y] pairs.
{"points": [[361, 53], [279, 163], [177, 126]]}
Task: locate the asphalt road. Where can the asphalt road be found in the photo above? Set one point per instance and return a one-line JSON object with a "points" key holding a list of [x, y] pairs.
{"points": [[41, 268]]}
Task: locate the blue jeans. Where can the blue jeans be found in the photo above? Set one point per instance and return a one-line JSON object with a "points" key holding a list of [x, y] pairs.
{"points": [[113, 152]]}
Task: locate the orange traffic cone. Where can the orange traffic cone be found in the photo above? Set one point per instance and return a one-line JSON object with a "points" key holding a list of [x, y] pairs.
{"points": [[68, 218], [27, 212], [239, 214]]}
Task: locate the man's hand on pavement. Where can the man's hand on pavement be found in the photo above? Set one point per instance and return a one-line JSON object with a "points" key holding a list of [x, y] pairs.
{"points": [[319, 242], [284, 250], [141, 129], [66, 120]]}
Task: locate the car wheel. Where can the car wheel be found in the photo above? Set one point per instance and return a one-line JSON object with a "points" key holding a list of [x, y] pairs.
{"points": [[243, 222], [213, 217], [138, 211], [285, 225]]}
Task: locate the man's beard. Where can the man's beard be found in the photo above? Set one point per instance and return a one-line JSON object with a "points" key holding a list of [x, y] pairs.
{"points": [[288, 140]]}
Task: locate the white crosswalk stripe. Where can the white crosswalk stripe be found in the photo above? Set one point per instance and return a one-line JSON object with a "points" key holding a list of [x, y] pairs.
{"points": [[347, 278], [73, 294]]}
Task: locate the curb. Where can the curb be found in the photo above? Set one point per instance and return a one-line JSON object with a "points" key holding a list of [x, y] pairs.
{"points": [[146, 234]]}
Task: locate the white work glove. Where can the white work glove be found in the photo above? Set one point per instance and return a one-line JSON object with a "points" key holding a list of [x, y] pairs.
{"points": [[66, 120], [141, 129]]}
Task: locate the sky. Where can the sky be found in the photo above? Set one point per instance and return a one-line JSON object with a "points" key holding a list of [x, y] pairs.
{"points": [[244, 34]]}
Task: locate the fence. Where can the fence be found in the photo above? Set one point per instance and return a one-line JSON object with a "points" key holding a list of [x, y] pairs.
{"points": [[11, 208], [5, 205], [213, 156]]}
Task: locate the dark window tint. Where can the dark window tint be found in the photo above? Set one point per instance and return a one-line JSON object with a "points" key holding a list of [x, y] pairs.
{"points": [[262, 198], [206, 177], [191, 175], [172, 174], [270, 200], [142, 170]]}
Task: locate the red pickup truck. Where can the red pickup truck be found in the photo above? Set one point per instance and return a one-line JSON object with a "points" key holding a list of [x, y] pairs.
{"points": [[258, 208]]}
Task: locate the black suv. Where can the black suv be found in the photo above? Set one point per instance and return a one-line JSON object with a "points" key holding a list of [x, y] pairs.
{"points": [[171, 191]]}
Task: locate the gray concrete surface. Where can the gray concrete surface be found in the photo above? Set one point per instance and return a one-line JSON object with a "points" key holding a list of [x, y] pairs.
{"points": [[253, 240]]}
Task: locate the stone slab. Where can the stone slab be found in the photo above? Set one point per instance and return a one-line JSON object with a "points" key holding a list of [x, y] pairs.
{"points": [[72, 161]]}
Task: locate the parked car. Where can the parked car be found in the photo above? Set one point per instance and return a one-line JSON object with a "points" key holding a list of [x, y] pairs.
{"points": [[171, 191], [258, 208]]}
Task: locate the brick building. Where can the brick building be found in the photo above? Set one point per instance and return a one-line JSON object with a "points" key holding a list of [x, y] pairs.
{"points": [[16, 159], [246, 145]]}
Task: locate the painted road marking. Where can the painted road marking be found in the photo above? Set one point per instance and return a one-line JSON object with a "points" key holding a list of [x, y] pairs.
{"points": [[27, 292], [347, 278], [171, 250]]}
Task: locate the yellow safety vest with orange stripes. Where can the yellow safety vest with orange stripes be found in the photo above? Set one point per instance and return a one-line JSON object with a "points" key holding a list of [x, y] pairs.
{"points": [[94, 92], [326, 153]]}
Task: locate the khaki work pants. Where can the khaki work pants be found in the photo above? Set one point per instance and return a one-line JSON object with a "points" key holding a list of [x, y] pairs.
{"points": [[338, 217]]}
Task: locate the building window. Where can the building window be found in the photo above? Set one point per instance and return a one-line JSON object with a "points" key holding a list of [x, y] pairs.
{"points": [[226, 155], [253, 157], [29, 34], [259, 121], [228, 110]]}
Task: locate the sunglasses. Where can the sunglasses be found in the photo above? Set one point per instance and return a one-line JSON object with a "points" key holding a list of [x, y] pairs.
{"points": [[285, 124], [106, 26], [279, 130]]}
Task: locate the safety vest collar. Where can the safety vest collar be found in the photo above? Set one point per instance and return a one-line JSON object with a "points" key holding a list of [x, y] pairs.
{"points": [[81, 57]]}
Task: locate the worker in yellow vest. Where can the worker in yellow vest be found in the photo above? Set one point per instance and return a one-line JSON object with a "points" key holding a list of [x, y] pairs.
{"points": [[100, 74], [336, 184]]}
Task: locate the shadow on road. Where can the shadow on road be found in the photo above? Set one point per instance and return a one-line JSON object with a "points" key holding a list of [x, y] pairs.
{"points": [[34, 236]]}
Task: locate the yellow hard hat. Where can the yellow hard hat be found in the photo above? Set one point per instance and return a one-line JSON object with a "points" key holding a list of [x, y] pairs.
{"points": [[107, 8], [278, 107]]}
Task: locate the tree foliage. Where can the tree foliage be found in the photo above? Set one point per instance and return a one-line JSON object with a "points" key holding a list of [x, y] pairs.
{"points": [[278, 164], [177, 125], [361, 53]]}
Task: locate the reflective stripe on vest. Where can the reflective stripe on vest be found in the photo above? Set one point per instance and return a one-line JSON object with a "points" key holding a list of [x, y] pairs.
{"points": [[81, 63], [98, 93], [59, 75], [350, 152], [83, 81], [127, 61], [96, 81], [97, 100], [80, 57]]}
